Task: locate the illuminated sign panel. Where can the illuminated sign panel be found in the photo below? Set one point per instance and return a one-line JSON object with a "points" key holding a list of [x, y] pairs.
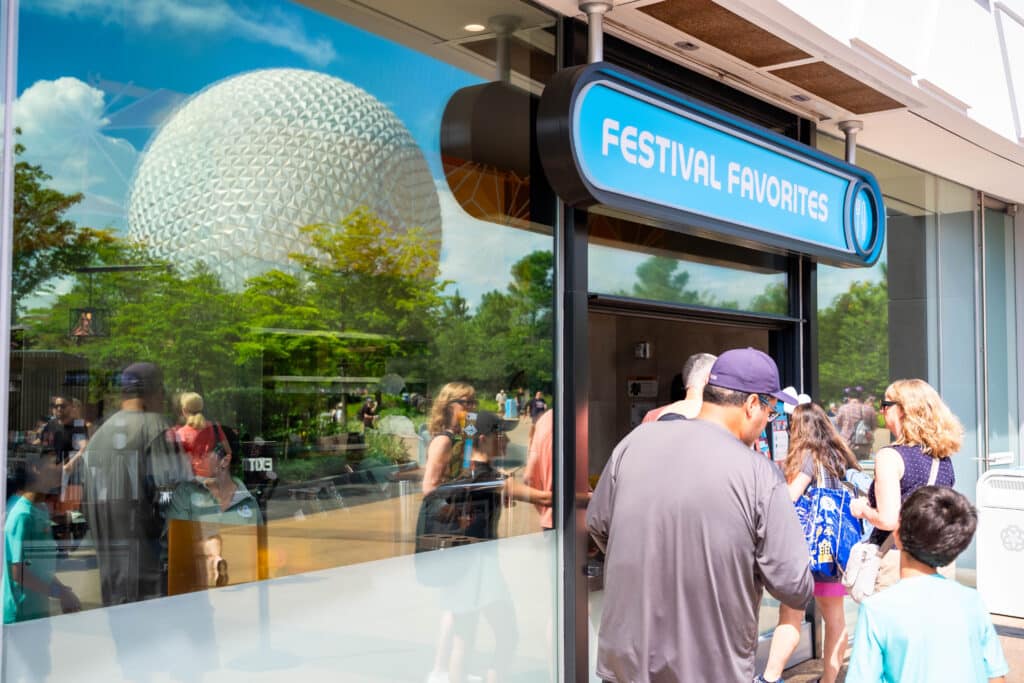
{"points": [[609, 137]]}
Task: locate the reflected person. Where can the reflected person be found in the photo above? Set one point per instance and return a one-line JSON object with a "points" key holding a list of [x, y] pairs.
{"points": [[29, 547], [132, 465], [64, 433], [478, 496], [198, 436], [213, 500], [448, 415]]}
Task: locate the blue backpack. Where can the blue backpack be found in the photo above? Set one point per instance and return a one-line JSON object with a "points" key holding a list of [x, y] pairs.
{"points": [[829, 526]]}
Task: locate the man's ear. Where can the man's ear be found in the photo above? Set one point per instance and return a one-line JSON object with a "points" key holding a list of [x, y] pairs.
{"points": [[897, 539], [751, 404]]}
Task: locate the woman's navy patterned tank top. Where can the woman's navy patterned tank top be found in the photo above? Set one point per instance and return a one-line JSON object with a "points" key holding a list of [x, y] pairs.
{"points": [[917, 465]]}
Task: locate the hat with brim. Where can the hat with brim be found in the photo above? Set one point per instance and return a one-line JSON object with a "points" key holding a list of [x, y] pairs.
{"points": [[492, 423], [750, 371]]}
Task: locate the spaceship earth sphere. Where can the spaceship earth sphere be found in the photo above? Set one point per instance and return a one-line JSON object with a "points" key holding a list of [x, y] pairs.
{"points": [[240, 167]]}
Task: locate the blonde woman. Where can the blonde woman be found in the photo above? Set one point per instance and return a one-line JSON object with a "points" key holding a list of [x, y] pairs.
{"points": [[448, 414], [925, 430], [198, 436]]}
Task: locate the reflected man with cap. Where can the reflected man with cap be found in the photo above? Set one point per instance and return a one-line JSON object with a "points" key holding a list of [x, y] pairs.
{"points": [[695, 525], [131, 467]]}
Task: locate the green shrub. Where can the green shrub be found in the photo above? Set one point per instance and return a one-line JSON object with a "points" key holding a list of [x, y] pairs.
{"points": [[306, 469], [384, 448]]}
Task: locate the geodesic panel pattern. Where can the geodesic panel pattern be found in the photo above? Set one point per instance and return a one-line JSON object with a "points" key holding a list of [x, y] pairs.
{"points": [[234, 173]]}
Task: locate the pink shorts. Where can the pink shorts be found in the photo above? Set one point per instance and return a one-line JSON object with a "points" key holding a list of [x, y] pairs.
{"points": [[829, 589]]}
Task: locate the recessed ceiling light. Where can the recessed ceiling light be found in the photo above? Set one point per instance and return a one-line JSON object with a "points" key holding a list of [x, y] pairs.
{"points": [[474, 28], [686, 45], [800, 98]]}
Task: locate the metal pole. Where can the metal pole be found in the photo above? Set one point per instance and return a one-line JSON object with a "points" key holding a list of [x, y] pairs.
{"points": [[982, 317], [503, 25], [850, 129], [9, 57], [595, 11]]}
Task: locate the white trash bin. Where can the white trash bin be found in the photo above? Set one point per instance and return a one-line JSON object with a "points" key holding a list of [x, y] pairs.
{"points": [[1001, 541]]}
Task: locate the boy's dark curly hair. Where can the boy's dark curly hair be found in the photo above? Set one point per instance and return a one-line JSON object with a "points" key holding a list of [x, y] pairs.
{"points": [[936, 525]]}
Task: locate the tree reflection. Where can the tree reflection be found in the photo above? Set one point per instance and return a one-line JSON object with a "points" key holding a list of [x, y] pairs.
{"points": [[275, 357], [853, 340]]}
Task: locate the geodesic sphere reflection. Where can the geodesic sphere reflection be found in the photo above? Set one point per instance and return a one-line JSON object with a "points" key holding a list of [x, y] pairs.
{"points": [[239, 167]]}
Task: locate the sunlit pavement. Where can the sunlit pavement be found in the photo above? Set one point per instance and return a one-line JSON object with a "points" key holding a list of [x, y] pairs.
{"points": [[1011, 635]]}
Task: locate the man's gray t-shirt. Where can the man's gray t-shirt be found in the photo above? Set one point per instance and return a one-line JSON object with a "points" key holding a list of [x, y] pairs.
{"points": [[130, 464], [695, 526]]}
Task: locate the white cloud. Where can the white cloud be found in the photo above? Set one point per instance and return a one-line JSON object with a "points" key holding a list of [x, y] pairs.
{"points": [[61, 123], [273, 27]]}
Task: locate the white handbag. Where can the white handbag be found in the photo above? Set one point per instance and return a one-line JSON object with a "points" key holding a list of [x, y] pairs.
{"points": [[861, 570]]}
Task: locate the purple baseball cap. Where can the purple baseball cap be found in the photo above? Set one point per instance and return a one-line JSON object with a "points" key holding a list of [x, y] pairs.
{"points": [[748, 370]]}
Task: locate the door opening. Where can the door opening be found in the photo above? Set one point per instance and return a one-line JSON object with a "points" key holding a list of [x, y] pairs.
{"points": [[636, 351]]}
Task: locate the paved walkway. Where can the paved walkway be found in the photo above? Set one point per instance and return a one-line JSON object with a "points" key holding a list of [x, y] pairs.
{"points": [[1011, 634]]}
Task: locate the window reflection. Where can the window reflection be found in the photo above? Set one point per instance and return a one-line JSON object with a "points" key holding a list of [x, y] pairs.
{"points": [[646, 274], [243, 302]]}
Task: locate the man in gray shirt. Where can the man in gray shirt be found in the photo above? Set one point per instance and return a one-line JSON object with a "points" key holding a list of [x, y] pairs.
{"points": [[695, 525], [132, 465]]}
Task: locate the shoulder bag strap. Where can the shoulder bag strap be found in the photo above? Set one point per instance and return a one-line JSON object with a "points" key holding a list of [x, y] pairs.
{"points": [[217, 432], [889, 542]]}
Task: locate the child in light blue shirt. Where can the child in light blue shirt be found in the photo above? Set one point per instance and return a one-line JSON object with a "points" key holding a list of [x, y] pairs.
{"points": [[926, 627]]}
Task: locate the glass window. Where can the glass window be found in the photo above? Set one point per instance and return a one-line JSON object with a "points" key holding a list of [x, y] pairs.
{"points": [[643, 272], [1000, 337], [283, 335], [913, 314]]}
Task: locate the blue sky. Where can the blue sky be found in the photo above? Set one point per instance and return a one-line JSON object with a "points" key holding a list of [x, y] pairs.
{"points": [[132, 57], [96, 77]]}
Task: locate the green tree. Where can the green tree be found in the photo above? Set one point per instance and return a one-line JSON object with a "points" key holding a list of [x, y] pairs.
{"points": [[369, 277], [452, 347], [774, 299], [47, 244], [508, 337], [853, 341], [186, 323], [660, 279]]}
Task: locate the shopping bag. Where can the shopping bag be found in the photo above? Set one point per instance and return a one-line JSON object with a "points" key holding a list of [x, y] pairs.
{"points": [[830, 528]]}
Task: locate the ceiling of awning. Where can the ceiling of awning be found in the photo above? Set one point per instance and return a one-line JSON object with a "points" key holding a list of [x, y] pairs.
{"points": [[709, 23]]}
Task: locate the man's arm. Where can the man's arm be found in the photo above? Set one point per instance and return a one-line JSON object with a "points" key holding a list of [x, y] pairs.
{"points": [[782, 555], [599, 511]]}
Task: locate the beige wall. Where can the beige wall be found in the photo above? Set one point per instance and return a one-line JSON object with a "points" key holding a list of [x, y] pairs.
{"points": [[612, 338]]}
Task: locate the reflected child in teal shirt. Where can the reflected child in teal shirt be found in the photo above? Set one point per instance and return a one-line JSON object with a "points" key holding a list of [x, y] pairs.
{"points": [[926, 627], [30, 553]]}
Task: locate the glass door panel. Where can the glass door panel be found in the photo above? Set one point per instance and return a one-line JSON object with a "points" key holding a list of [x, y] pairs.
{"points": [[1000, 340]]}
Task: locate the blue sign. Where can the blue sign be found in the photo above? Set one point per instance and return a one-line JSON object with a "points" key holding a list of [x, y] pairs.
{"points": [[633, 145]]}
